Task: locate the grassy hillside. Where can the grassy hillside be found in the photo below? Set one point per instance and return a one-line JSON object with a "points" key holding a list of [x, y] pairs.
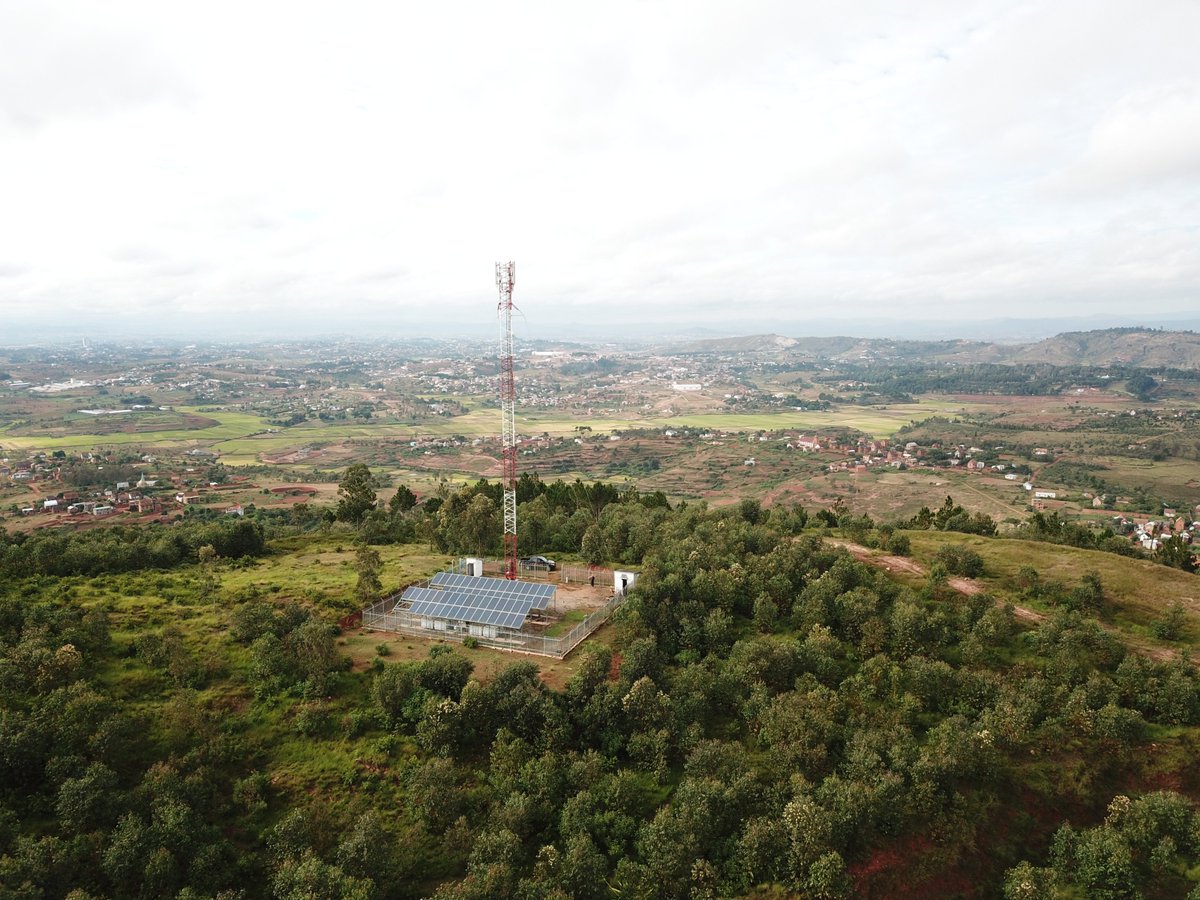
{"points": [[1117, 346], [1138, 592]]}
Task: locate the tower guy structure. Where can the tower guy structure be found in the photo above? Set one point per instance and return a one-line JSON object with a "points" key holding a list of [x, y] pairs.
{"points": [[505, 278]]}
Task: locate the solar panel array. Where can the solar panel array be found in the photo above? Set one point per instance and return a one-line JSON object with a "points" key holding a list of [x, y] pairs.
{"points": [[480, 601], [499, 586]]}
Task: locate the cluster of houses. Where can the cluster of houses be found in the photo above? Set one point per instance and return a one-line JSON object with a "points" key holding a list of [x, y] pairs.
{"points": [[122, 497], [149, 495], [1150, 535], [864, 454], [27, 472], [868, 453]]}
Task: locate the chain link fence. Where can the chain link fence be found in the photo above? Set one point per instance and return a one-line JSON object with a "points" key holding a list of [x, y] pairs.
{"points": [[383, 616]]}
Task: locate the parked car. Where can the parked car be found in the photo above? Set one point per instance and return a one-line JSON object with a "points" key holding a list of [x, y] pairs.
{"points": [[538, 562]]}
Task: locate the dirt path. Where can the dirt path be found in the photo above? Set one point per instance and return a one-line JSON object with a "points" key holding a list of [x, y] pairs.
{"points": [[898, 564], [895, 564]]}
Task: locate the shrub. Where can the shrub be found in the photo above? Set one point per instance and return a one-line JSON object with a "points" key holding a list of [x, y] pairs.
{"points": [[960, 561], [1171, 625], [311, 719]]}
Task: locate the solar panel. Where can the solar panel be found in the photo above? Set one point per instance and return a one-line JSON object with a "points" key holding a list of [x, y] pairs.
{"points": [[498, 586], [479, 601]]}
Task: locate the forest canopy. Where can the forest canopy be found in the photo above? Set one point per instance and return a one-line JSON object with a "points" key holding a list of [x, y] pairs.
{"points": [[765, 713]]}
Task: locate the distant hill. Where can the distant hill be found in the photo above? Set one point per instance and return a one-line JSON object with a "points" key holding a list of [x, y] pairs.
{"points": [[845, 349], [1112, 346], [752, 343]]}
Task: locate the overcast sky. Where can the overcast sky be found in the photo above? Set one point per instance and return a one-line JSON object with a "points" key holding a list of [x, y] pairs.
{"points": [[358, 165]]}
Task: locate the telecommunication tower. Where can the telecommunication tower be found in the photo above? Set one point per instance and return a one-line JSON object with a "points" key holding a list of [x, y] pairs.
{"points": [[505, 278]]}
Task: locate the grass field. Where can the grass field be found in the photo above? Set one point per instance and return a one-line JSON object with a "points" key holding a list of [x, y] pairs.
{"points": [[1139, 591], [230, 425], [1176, 479], [878, 422], [312, 567]]}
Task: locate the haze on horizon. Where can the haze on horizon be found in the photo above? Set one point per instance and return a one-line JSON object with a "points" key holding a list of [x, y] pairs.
{"points": [[293, 168]]}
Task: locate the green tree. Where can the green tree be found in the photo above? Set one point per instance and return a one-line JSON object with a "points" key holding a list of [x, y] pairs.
{"points": [[592, 546], [1141, 386], [1026, 882], [1172, 623], [480, 524], [357, 493], [445, 672], [1177, 553], [309, 877], [766, 613], [403, 500], [85, 802], [368, 565], [210, 583], [312, 644], [960, 561]]}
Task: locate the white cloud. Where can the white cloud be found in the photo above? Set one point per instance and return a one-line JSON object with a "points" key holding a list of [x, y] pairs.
{"points": [[1147, 137], [654, 160]]}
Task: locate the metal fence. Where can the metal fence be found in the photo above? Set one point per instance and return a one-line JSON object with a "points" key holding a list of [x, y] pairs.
{"points": [[383, 616]]}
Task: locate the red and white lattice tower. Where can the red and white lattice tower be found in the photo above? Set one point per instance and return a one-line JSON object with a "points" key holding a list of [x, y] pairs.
{"points": [[505, 278]]}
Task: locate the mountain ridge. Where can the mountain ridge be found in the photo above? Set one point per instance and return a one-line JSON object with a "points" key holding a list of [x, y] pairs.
{"points": [[1128, 346]]}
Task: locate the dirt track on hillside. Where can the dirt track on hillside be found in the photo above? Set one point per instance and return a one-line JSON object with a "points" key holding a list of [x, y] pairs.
{"points": [[896, 564], [902, 564]]}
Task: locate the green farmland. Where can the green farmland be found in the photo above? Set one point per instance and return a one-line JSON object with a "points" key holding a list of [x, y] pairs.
{"points": [[241, 437], [230, 425]]}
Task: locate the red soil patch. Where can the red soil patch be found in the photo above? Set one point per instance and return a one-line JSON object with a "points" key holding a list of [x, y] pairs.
{"points": [[614, 669]]}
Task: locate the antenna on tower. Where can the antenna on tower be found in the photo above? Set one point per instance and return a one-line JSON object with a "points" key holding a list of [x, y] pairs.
{"points": [[505, 279]]}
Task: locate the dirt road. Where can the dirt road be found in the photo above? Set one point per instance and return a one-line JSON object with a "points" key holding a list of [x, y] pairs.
{"points": [[904, 565]]}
